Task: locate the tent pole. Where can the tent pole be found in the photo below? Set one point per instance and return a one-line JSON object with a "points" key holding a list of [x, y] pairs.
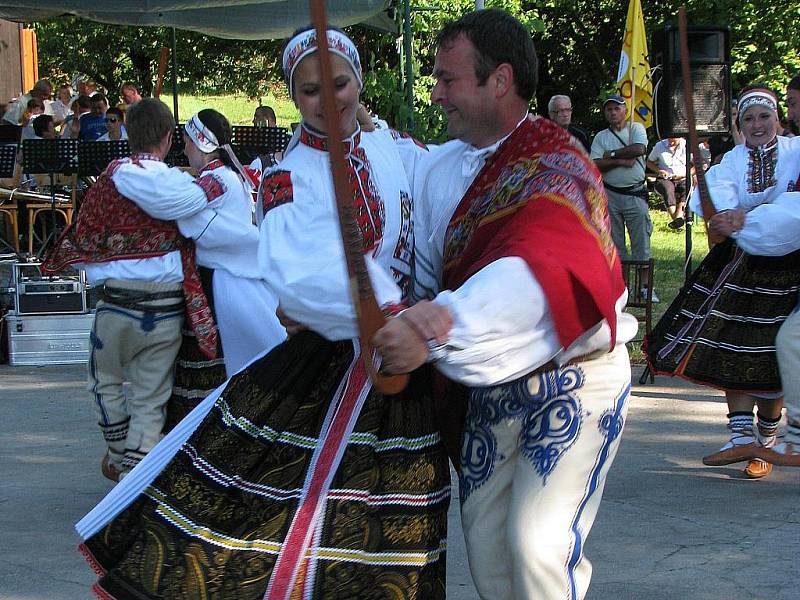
{"points": [[175, 75]]}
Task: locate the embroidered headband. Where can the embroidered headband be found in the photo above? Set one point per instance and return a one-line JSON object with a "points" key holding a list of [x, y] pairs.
{"points": [[207, 142], [305, 43], [757, 97], [201, 135]]}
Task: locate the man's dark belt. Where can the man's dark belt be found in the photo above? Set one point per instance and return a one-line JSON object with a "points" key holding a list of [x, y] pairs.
{"points": [[141, 300], [639, 191]]}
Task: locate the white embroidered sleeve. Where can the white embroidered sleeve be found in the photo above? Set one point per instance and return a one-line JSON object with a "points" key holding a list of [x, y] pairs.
{"points": [[161, 192], [301, 257]]}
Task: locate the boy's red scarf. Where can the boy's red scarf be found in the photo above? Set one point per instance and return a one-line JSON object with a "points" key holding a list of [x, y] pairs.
{"points": [[111, 227], [540, 197]]}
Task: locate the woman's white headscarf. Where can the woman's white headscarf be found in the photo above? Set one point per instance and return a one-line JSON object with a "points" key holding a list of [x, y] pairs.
{"points": [[305, 43], [207, 142]]}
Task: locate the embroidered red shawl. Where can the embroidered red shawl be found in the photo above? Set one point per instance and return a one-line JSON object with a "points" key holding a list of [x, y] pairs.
{"points": [[111, 227], [540, 197]]}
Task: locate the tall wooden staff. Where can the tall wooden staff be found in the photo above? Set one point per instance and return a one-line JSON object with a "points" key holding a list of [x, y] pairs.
{"points": [[694, 143], [162, 70], [369, 315]]}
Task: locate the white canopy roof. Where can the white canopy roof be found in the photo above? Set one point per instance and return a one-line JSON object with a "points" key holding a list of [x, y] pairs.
{"points": [[236, 19]]}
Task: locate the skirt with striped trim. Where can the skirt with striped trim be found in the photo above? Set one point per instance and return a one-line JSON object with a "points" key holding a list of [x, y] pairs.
{"points": [[196, 375], [212, 523], [720, 330]]}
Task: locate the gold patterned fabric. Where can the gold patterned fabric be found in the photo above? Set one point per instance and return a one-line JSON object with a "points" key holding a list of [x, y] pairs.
{"points": [[212, 523]]}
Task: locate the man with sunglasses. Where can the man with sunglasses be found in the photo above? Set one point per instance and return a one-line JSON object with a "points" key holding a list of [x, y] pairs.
{"points": [[115, 124]]}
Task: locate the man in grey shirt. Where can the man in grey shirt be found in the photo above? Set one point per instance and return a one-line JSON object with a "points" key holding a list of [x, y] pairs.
{"points": [[619, 154]]}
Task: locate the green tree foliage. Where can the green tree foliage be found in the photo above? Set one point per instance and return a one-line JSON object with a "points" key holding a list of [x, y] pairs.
{"points": [[113, 54]]}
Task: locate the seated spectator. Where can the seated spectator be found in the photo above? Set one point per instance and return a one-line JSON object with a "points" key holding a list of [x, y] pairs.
{"points": [[560, 110], [61, 107], [264, 116], [93, 125], [115, 125], [34, 109], [130, 93], [44, 127], [42, 90], [667, 160], [81, 106]]}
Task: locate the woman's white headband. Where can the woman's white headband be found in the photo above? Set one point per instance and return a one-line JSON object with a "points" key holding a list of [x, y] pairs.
{"points": [[206, 141], [201, 135], [305, 43], [757, 98]]}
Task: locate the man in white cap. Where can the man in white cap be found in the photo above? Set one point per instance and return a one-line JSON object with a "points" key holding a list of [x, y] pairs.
{"points": [[619, 154]]}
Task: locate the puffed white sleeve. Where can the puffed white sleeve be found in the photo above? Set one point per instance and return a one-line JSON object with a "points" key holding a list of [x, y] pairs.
{"points": [[162, 192], [722, 181], [411, 151], [772, 229], [300, 255], [502, 327]]}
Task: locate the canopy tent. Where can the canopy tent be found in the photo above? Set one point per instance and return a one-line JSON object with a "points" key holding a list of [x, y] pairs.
{"points": [[234, 19]]}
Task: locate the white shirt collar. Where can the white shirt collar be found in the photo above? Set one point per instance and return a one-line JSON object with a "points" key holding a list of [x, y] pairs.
{"points": [[474, 158]]}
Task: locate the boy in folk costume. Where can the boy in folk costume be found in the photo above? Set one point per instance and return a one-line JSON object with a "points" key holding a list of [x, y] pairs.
{"points": [[148, 278], [527, 314]]}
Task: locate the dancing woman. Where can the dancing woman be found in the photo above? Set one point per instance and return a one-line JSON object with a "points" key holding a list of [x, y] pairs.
{"points": [[300, 479], [720, 331]]}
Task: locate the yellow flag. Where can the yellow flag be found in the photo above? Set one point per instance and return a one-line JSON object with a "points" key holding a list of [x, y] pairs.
{"points": [[633, 78]]}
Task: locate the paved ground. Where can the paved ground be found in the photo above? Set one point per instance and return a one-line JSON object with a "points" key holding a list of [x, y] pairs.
{"points": [[668, 529]]}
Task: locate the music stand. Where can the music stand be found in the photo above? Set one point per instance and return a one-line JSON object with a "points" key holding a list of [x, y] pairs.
{"points": [[10, 134], [8, 160], [94, 157], [8, 164], [49, 157], [249, 141], [175, 157]]}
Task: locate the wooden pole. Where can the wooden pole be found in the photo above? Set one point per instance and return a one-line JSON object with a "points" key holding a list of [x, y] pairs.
{"points": [[370, 317]]}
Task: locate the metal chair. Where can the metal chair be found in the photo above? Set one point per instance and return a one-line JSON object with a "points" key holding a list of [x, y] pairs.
{"points": [[638, 276]]}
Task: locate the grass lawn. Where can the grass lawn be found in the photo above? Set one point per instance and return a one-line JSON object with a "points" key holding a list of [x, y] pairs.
{"points": [[238, 109], [668, 249]]}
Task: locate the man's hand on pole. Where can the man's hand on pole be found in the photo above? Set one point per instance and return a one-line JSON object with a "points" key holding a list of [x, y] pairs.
{"points": [[404, 342]]}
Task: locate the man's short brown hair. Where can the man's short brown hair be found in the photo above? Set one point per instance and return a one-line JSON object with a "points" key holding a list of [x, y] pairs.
{"points": [[148, 121]]}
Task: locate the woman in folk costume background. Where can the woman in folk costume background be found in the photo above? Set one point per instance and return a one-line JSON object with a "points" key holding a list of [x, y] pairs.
{"points": [[720, 331], [227, 243], [296, 478]]}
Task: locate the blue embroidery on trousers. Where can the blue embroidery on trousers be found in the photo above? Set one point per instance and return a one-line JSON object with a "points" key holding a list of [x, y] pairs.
{"points": [[610, 425], [551, 418]]}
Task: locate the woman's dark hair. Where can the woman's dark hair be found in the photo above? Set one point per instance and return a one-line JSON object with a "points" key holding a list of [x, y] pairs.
{"points": [[498, 38], [221, 128], [794, 83]]}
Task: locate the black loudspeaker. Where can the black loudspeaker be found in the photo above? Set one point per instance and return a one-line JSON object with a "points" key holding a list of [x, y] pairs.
{"points": [[709, 65]]}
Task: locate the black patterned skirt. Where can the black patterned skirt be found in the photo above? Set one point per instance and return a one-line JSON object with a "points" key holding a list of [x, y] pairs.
{"points": [[720, 330], [215, 522], [196, 375]]}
